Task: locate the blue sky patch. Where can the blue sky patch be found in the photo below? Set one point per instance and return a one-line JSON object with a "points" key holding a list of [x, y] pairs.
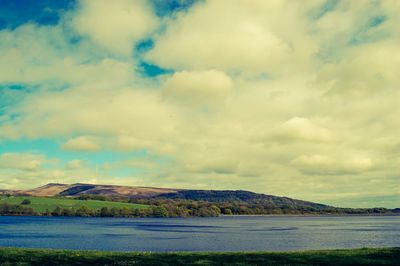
{"points": [[164, 8], [12, 86], [326, 8], [14, 13], [376, 21], [150, 70], [10, 93], [366, 34], [144, 46]]}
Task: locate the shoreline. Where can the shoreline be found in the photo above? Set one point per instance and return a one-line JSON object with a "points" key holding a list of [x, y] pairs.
{"points": [[222, 215], [313, 215]]}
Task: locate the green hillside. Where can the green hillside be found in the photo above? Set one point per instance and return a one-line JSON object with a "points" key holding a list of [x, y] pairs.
{"points": [[41, 204]]}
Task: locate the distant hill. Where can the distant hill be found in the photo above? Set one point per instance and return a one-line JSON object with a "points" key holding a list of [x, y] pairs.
{"points": [[240, 196], [193, 202], [74, 190], [55, 189], [48, 190]]}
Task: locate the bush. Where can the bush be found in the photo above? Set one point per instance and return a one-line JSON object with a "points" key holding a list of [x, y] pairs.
{"points": [[227, 211], [84, 211], [26, 202], [57, 211], [160, 211], [11, 209]]}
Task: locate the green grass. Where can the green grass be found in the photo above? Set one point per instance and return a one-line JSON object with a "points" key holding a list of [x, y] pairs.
{"points": [[43, 257], [41, 204]]}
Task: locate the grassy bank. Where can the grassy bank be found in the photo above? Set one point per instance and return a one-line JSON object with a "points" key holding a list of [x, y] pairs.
{"points": [[41, 204], [366, 256]]}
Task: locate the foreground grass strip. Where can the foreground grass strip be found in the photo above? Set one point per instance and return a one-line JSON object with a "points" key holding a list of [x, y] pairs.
{"points": [[365, 256]]}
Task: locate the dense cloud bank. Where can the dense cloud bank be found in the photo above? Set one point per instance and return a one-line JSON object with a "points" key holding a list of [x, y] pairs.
{"points": [[280, 97]]}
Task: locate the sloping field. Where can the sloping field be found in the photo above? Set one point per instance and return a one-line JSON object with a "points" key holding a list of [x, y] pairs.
{"points": [[41, 204]]}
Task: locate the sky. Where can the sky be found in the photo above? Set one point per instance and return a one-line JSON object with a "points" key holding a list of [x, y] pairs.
{"points": [[288, 98]]}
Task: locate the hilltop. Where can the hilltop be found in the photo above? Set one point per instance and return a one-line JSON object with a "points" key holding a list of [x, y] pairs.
{"points": [[133, 192], [78, 189]]}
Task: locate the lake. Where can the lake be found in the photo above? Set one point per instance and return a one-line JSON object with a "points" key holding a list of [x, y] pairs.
{"points": [[201, 234]]}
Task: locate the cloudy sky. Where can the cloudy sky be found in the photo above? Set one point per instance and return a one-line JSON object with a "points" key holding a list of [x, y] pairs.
{"points": [[294, 98]]}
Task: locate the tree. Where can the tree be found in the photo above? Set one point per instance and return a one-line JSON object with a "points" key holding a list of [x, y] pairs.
{"points": [[215, 210], [160, 211], [104, 212], [67, 212], [84, 211], [125, 212], [114, 212], [26, 202], [227, 211], [56, 211]]}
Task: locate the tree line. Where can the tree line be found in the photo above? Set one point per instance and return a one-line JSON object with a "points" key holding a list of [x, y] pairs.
{"points": [[84, 211], [209, 206]]}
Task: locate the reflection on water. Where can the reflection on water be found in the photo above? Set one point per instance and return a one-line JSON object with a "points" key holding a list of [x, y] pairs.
{"points": [[201, 234]]}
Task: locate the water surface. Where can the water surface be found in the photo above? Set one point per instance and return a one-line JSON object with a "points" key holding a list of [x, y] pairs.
{"points": [[201, 234]]}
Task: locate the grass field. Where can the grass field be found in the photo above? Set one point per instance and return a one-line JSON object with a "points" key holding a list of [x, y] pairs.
{"points": [[41, 204], [43, 257]]}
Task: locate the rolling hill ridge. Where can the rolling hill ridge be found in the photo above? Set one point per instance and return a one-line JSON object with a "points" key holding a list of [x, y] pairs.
{"points": [[188, 202], [132, 192]]}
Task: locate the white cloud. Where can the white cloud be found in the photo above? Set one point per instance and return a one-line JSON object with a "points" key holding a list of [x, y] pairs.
{"points": [[303, 128], [116, 25], [326, 165], [93, 111], [198, 86], [81, 144], [42, 55], [21, 161], [237, 36], [75, 164]]}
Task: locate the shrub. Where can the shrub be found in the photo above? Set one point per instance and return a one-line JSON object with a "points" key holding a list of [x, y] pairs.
{"points": [[160, 211], [26, 202]]}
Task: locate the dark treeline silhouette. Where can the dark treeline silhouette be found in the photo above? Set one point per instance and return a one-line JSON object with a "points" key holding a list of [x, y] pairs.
{"points": [[208, 203], [205, 208], [84, 211]]}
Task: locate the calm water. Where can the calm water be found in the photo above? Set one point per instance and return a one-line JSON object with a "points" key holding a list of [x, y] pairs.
{"points": [[200, 234]]}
